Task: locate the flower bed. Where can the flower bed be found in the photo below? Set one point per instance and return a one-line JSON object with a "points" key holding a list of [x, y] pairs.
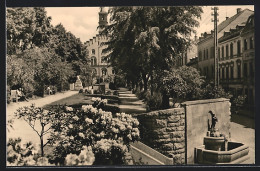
{"points": [[83, 136]]}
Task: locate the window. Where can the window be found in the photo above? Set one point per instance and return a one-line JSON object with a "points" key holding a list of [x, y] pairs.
{"points": [[222, 52], [238, 48], [245, 44], [231, 50], [245, 70], [251, 69], [207, 54], [93, 51], [227, 52], [212, 52], [251, 43], [204, 54], [231, 72], [238, 71], [227, 72], [93, 61], [104, 71], [223, 73], [200, 56]]}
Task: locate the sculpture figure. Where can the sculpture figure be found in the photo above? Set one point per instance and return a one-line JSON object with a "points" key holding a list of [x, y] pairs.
{"points": [[214, 120]]}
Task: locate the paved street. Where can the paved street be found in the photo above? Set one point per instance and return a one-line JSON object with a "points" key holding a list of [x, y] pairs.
{"points": [[242, 130]]}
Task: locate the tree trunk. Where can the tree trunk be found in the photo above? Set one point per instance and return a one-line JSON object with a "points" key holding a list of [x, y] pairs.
{"points": [[42, 152]]}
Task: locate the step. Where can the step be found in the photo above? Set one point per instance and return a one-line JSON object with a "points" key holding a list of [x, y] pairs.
{"points": [[129, 99], [137, 103], [129, 109]]}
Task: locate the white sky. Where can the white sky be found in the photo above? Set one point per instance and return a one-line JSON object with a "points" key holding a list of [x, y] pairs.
{"points": [[83, 21]]}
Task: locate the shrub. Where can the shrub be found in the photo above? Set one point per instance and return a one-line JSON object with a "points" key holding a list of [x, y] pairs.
{"points": [[89, 127], [81, 91], [153, 102], [26, 154]]}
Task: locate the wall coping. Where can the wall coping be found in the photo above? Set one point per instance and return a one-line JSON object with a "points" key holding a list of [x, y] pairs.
{"points": [[195, 102]]}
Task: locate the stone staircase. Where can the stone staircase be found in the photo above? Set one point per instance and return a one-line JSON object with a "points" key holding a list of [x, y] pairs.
{"points": [[129, 103]]}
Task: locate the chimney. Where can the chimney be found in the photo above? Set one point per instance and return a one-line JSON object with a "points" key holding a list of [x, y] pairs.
{"points": [[238, 10]]}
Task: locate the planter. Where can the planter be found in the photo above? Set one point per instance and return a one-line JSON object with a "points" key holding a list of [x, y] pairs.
{"points": [[237, 153], [214, 143]]}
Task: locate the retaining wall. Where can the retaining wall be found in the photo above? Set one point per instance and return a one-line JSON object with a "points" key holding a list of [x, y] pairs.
{"points": [[176, 132]]}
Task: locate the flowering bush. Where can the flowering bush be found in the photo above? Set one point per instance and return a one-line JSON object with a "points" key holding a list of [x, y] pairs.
{"points": [[86, 157], [25, 154], [92, 127], [98, 102]]}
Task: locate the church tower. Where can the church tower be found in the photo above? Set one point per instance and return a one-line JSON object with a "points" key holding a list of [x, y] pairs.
{"points": [[102, 19]]}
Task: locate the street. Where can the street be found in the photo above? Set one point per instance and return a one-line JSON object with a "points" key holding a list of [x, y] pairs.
{"points": [[243, 130]]}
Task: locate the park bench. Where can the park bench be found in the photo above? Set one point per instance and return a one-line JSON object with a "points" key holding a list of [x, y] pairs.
{"points": [[14, 95]]}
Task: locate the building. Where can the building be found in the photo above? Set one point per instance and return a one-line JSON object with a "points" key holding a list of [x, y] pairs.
{"points": [[188, 54], [101, 69], [205, 44]]}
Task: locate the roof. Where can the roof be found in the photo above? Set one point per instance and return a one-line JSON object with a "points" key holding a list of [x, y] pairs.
{"points": [[238, 19]]}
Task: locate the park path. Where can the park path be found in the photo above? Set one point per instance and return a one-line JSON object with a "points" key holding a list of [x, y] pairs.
{"points": [[20, 127], [129, 103]]}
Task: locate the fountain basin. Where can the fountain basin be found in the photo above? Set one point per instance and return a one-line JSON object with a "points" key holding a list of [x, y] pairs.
{"points": [[235, 154], [214, 143]]}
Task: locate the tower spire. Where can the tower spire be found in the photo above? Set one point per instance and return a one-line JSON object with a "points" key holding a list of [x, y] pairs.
{"points": [[102, 19]]}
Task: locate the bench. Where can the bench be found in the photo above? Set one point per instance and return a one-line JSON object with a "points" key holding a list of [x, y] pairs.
{"points": [[14, 95]]}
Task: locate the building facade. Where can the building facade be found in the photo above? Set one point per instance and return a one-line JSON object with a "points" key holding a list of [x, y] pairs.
{"points": [[205, 44], [101, 69]]}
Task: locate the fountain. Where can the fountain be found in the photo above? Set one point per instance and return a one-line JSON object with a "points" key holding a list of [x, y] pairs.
{"points": [[217, 149]]}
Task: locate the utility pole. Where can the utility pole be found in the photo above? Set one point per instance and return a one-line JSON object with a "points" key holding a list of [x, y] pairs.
{"points": [[216, 65]]}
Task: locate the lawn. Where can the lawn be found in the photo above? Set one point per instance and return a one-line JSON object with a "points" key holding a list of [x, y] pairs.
{"points": [[77, 99]]}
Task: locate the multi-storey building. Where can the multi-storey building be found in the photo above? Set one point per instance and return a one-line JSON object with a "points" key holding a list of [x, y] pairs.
{"points": [[101, 69], [205, 44], [237, 61]]}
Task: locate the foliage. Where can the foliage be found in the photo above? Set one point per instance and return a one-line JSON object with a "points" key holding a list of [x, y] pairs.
{"points": [[183, 83], [238, 102], [153, 102], [142, 43], [92, 127], [25, 154], [212, 92], [35, 115], [40, 54], [86, 157]]}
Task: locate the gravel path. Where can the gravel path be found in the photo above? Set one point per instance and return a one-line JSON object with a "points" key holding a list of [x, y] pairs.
{"points": [[20, 127]]}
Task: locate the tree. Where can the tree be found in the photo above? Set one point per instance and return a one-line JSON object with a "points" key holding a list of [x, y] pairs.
{"points": [[184, 83], [144, 40], [35, 115]]}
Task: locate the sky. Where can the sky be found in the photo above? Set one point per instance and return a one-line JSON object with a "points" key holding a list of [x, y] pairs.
{"points": [[83, 21]]}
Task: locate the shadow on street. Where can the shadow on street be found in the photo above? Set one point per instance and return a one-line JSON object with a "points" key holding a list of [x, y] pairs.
{"points": [[243, 120]]}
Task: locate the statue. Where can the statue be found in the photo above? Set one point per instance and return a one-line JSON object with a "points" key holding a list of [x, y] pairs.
{"points": [[214, 120], [78, 77], [101, 9]]}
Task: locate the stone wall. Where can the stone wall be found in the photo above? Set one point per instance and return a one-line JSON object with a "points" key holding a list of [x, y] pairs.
{"points": [[197, 119], [164, 131]]}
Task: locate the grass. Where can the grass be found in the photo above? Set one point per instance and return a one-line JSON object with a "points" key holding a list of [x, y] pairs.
{"points": [[76, 99]]}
